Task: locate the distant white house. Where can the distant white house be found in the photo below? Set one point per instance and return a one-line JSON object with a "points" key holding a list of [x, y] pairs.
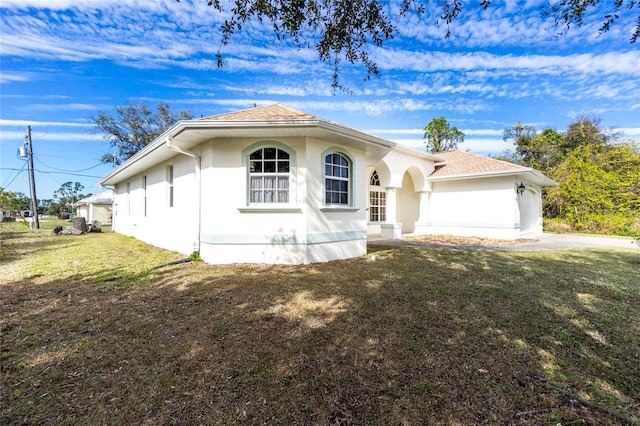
{"points": [[96, 207], [276, 185]]}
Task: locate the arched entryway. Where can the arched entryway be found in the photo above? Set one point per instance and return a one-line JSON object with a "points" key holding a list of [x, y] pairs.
{"points": [[408, 204]]}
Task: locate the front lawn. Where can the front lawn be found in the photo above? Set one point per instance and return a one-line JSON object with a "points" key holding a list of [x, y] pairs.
{"points": [[92, 334]]}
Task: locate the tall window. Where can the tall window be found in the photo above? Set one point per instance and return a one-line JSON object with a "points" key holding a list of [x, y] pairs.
{"points": [[144, 195], [170, 184], [377, 200], [128, 197], [336, 179], [269, 176]]}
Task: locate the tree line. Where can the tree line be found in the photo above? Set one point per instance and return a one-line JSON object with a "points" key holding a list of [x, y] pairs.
{"points": [[598, 174], [61, 204]]}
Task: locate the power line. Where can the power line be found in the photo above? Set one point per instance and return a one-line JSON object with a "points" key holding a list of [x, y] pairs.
{"points": [[69, 171], [46, 172], [49, 172], [17, 174]]}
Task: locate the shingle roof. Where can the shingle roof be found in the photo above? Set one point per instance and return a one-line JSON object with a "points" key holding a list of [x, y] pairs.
{"points": [[268, 112], [273, 112], [460, 163]]}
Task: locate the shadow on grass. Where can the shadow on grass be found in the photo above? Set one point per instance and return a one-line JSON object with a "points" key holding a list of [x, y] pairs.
{"points": [[416, 336]]}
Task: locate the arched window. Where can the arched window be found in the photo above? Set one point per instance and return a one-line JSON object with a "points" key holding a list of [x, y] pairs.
{"points": [[377, 200], [337, 179], [269, 176]]}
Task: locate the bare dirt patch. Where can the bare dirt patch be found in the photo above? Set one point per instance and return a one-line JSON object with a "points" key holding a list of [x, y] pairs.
{"points": [[452, 240]]}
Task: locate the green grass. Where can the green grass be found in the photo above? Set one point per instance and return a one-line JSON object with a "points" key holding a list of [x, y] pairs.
{"points": [[92, 334]]}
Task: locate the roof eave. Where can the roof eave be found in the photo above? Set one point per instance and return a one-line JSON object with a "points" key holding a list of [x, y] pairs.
{"points": [[538, 177], [374, 146], [426, 155]]}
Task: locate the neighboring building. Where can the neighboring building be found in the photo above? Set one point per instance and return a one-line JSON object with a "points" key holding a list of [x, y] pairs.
{"points": [[276, 185], [96, 207]]}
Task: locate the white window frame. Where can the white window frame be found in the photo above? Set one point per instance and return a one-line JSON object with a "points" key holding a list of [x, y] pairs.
{"points": [[170, 184], [280, 204], [269, 176], [144, 195], [377, 200], [128, 198], [340, 174]]}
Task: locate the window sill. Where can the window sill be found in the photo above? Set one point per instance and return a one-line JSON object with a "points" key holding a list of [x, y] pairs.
{"points": [[269, 209], [339, 209]]}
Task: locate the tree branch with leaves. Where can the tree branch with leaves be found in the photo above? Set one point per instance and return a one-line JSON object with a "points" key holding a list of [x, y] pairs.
{"points": [[441, 137], [346, 29], [132, 127]]}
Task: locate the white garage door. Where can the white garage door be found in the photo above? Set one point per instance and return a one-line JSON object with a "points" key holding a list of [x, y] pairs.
{"points": [[529, 212]]}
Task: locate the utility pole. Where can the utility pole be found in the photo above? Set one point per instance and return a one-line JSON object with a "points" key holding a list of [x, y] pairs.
{"points": [[35, 222]]}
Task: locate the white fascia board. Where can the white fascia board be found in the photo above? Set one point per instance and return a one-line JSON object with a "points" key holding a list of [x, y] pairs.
{"points": [[537, 176], [308, 127], [212, 129], [157, 143], [422, 154]]}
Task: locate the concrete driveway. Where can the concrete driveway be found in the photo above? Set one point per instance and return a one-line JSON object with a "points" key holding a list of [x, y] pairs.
{"points": [[568, 241], [540, 242]]}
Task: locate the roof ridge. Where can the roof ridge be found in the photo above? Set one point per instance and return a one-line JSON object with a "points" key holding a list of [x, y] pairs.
{"points": [[275, 111]]}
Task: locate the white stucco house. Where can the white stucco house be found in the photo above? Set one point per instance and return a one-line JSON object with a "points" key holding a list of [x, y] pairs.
{"points": [[276, 185], [96, 207]]}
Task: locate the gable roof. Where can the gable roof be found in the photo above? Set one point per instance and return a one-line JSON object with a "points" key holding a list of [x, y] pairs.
{"points": [[267, 122], [460, 164]]}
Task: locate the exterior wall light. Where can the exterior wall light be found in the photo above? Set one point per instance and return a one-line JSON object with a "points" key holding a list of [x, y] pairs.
{"points": [[521, 188]]}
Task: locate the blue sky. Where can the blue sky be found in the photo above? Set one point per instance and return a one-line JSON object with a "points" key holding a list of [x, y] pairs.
{"points": [[62, 61]]}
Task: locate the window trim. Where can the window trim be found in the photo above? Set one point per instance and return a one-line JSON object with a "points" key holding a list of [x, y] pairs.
{"points": [[170, 185], [255, 207], [129, 198], [378, 189], [350, 206], [144, 195]]}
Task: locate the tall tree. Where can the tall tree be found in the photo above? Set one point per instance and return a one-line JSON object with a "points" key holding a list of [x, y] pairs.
{"points": [[69, 192], [532, 149], [345, 30], [441, 137], [586, 130], [132, 127]]}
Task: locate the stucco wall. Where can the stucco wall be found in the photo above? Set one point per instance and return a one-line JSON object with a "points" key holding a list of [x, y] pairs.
{"points": [[485, 207], [172, 228], [302, 231], [231, 230]]}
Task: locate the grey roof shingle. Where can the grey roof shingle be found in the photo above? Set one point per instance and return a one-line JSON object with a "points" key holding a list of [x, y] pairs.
{"points": [[460, 163], [264, 113]]}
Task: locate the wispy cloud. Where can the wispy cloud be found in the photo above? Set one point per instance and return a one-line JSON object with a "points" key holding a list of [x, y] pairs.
{"points": [[43, 136], [4, 122], [6, 77], [585, 63]]}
